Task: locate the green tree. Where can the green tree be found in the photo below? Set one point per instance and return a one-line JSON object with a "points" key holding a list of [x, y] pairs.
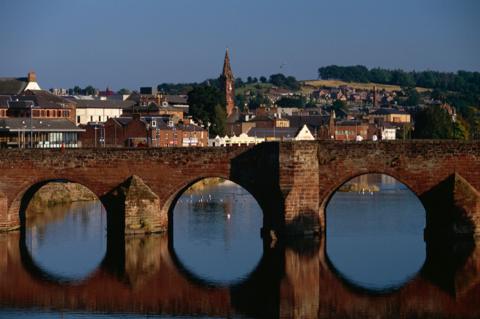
{"points": [[281, 80], [77, 90], [205, 103], [258, 100], [298, 102], [240, 101], [340, 106], [89, 90], [239, 83], [219, 121], [263, 79], [433, 122], [413, 97], [405, 131], [460, 130]]}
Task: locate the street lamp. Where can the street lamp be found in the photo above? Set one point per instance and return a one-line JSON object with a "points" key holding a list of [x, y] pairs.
{"points": [[95, 129], [31, 126]]}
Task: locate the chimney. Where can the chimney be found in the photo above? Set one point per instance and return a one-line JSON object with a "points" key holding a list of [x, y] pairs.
{"points": [[32, 77]]}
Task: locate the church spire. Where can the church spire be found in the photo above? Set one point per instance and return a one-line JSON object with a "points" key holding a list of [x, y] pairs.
{"points": [[228, 82], [227, 70]]}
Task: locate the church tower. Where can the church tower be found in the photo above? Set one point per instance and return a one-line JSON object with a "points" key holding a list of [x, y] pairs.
{"points": [[227, 82]]}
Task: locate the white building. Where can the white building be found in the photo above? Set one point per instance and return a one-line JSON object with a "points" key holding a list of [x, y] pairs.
{"points": [[259, 135], [389, 133], [242, 139], [99, 110]]}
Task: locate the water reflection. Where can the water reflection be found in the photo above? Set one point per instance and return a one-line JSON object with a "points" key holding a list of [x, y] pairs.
{"points": [[292, 280], [375, 233], [67, 242], [216, 232], [142, 275]]}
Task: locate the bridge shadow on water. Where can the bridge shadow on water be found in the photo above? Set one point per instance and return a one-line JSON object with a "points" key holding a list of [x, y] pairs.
{"points": [[293, 279]]}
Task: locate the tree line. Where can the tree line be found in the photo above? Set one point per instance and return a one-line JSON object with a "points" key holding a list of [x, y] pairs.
{"points": [[461, 81], [278, 80]]}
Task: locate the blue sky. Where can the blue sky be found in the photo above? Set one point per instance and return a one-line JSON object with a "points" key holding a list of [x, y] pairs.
{"points": [[132, 43]]}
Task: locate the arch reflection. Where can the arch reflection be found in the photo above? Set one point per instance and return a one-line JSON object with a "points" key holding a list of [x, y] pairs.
{"points": [[293, 280], [64, 241], [374, 233]]}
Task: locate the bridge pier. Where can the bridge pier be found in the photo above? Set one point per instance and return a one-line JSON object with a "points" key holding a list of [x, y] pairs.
{"points": [[299, 183], [453, 209], [133, 208], [7, 221]]}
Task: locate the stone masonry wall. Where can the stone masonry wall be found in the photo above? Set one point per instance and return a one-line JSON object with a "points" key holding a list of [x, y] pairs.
{"points": [[292, 181]]}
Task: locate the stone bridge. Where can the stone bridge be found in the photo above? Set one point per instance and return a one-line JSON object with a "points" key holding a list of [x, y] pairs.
{"points": [[291, 181]]}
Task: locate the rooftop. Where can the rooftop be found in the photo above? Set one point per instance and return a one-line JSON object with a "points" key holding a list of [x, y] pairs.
{"points": [[12, 86], [103, 104], [280, 132], [37, 125], [44, 99]]}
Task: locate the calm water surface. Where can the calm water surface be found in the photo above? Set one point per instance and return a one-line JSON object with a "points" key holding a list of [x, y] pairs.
{"points": [[375, 238], [373, 262]]}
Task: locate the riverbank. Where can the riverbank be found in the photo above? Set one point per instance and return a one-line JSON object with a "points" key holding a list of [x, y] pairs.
{"points": [[205, 183], [359, 188], [57, 193]]}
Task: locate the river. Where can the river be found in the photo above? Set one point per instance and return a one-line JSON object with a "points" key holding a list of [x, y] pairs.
{"points": [[372, 262]]}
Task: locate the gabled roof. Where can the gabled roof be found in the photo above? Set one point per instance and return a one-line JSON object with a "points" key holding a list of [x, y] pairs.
{"points": [[12, 86], [122, 120], [44, 99]]}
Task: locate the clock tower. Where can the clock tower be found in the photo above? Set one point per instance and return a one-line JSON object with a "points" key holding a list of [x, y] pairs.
{"points": [[228, 84]]}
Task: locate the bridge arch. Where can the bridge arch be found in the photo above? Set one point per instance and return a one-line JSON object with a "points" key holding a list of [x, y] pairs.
{"points": [[33, 259], [326, 197], [359, 228], [218, 210], [177, 191], [19, 204]]}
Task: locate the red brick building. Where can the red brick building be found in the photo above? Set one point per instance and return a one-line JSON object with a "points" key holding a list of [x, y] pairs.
{"points": [[139, 131]]}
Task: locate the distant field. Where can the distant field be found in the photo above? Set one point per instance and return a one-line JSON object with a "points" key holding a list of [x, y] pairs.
{"points": [[309, 85]]}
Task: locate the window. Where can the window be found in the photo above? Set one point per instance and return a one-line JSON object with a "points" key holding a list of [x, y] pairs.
{"points": [[99, 118], [78, 119], [91, 118]]}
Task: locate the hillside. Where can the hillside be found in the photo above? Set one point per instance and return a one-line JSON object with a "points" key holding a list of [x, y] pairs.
{"points": [[310, 85]]}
